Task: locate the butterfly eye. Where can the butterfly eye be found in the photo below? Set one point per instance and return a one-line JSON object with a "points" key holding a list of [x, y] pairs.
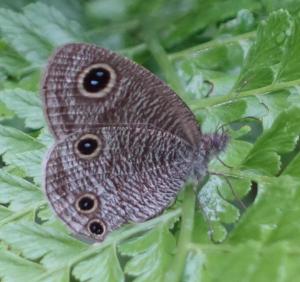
{"points": [[96, 227], [96, 80], [87, 203], [88, 146]]}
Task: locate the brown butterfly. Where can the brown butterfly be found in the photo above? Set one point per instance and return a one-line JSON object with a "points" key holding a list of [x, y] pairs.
{"points": [[125, 143]]}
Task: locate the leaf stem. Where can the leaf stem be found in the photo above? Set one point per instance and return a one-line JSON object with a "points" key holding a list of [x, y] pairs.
{"points": [[127, 232], [238, 172], [233, 95], [16, 216], [162, 59], [213, 44], [207, 45], [134, 50], [187, 225], [114, 238], [114, 28]]}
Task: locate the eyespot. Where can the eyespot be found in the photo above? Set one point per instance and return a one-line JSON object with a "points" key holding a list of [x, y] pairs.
{"points": [[96, 81], [87, 203], [96, 227], [88, 146]]}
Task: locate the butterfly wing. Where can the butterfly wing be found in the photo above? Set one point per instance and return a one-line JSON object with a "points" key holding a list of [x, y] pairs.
{"points": [[134, 176], [133, 96], [125, 143]]}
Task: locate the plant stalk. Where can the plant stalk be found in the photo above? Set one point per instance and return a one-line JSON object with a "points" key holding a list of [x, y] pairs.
{"points": [[233, 96], [164, 62], [187, 225]]}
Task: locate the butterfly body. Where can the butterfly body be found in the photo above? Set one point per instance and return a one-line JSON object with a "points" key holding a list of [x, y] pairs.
{"points": [[125, 143]]}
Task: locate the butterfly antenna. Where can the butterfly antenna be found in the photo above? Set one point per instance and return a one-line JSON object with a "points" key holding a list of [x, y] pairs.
{"points": [[242, 205], [211, 89], [233, 192], [206, 219], [208, 222], [223, 163], [220, 127]]}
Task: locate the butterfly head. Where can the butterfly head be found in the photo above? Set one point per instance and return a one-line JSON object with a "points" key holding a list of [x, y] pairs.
{"points": [[214, 143]]}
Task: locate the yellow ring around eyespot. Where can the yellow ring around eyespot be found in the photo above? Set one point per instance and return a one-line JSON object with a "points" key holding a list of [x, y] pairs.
{"points": [[95, 153], [102, 225], [90, 196]]}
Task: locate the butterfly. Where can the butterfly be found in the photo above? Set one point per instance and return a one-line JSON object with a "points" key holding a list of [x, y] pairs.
{"points": [[125, 143]]}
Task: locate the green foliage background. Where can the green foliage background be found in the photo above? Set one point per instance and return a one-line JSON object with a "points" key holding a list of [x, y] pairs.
{"points": [[235, 63]]}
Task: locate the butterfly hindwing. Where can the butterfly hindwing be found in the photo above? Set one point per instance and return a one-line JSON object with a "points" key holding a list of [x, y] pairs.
{"points": [[135, 175]]}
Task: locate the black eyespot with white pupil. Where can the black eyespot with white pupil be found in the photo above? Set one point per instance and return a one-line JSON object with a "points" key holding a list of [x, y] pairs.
{"points": [[87, 146], [96, 79], [96, 227], [86, 203]]}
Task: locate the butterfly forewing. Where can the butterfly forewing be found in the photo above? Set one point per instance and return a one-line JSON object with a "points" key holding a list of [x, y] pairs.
{"points": [[135, 95]]}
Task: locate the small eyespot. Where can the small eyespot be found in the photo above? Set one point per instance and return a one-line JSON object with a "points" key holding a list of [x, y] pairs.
{"points": [[88, 146], [87, 203], [96, 80], [96, 227]]}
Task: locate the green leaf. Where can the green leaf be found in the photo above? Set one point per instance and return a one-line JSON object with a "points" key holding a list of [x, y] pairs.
{"points": [[280, 138], [5, 113], [4, 212], [37, 30], [15, 5], [244, 22], [205, 13], [216, 202], [26, 105], [151, 254], [30, 162], [53, 247], [274, 103], [209, 71], [11, 62], [292, 6], [102, 267], [14, 268], [16, 30], [233, 155], [293, 168], [51, 25], [14, 141], [264, 55], [290, 66], [214, 117], [193, 267], [18, 192], [263, 222]]}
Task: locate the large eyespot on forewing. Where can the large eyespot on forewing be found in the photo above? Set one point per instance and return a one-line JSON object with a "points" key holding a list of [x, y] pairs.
{"points": [[96, 81]]}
